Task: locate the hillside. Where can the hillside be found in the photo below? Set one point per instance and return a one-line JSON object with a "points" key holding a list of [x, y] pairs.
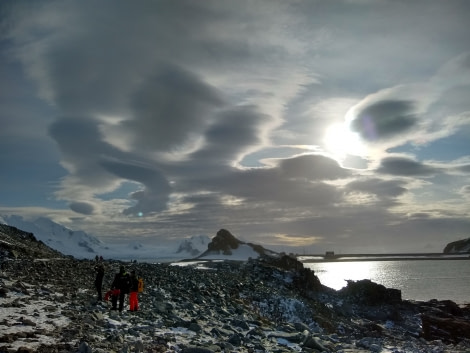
{"points": [[459, 246], [18, 244]]}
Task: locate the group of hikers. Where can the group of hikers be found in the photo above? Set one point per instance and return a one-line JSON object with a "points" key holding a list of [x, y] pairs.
{"points": [[123, 283]]}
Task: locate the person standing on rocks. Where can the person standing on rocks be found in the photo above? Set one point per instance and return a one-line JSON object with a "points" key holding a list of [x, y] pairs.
{"points": [[121, 282], [99, 269], [134, 288]]}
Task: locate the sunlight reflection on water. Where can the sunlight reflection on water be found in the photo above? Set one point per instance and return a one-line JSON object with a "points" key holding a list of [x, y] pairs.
{"points": [[418, 280], [335, 274]]}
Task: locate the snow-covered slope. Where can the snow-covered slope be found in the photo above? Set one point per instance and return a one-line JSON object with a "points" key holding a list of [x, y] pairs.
{"points": [[242, 253], [79, 244], [58, 237], [193, 246]]}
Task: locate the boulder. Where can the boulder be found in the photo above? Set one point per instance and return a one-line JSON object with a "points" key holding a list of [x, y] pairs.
{"points": [[368, 292], [314, 343], [449, 330]]}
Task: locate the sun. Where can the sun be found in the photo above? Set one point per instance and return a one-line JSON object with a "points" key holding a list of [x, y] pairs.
{"points": [[340, 141]]}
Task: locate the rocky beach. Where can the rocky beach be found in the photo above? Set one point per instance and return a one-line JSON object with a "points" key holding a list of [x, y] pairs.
{"points": [[270, 304]]}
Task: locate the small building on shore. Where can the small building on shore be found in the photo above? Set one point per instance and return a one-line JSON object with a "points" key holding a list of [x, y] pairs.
{"points": [[329, 255]]}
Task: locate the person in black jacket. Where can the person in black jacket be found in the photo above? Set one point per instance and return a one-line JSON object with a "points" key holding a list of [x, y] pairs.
{"points": [[121, 282], [99, 269]]}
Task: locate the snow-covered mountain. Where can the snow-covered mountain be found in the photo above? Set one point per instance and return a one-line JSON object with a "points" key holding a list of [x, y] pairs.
{"points": [[225, 246], [194, 246], [79, 244]]}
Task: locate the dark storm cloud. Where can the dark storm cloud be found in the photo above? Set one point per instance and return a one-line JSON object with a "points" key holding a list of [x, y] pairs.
{"points": [[85, 208], [402, 166], [171, 107], [384, 119]]}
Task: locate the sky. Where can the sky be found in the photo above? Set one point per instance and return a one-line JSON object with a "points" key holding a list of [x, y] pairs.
{"points": [[303, 126]]}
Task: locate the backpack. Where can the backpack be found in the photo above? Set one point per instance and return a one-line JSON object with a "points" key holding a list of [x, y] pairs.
{"points": [[140, 286]]}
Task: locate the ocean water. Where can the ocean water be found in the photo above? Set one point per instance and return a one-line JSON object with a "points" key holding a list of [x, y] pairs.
{"points": [[417, 279]]}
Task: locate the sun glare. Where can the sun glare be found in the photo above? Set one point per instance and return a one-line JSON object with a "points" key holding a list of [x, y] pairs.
{"points": [[340, 141], [336, 274]]}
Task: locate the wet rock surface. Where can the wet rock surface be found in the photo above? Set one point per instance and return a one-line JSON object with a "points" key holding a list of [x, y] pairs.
{"points": [[48, 304]]}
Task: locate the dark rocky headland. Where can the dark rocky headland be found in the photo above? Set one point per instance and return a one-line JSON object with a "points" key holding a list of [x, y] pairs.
{"points": [[272, 304]]}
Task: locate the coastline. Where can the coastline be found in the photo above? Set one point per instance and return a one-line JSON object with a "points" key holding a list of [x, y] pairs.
{"points": [[266, 305], [380, 257], [417, 279], [270, 304]]}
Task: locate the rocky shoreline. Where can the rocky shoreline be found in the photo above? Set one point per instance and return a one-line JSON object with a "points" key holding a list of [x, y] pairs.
{"points": [[273, 304]]}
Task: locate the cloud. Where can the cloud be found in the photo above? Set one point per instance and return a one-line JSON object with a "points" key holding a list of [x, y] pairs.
{"points": [[96, 167], [170, 108], [297, 182], [404, 166], [464, 168], [417, 113], [381, 188], [82, 146], [200, 115], [154, 197], [384, 119], [85, 208], [465, 191], [235, 132], [454, 73], [312, 167]]}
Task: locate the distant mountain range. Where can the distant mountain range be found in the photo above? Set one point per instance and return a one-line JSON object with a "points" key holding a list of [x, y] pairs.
{"points": [[79, 244]]}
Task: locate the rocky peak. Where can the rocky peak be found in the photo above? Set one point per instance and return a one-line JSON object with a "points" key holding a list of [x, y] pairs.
{"points": [[224, 242]]}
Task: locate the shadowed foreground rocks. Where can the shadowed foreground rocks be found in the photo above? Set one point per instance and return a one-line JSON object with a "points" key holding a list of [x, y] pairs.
{"points": [[267, 305]]}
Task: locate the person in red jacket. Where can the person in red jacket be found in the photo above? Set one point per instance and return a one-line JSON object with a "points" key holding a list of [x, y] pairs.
{"points": [[134, 288]]}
